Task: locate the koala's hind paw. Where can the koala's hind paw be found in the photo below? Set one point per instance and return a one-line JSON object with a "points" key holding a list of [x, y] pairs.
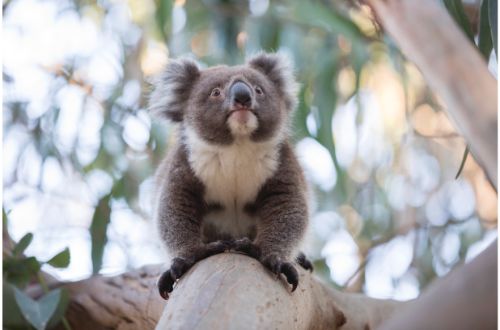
{"points": [[213, 248], [167, 279], [246, 246], [278, 266], [304, 262]]}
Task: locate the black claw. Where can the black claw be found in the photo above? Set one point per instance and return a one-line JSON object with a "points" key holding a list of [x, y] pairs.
{"points": [[291, 274], [165, 284], [277, 266], [304, 262]]}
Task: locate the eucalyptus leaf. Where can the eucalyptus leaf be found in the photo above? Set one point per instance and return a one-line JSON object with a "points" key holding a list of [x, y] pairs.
{"points": [[23, 243], [456, 10], [20, 271], [300, 118], [60, 260], [38, 312], [462, 164], [60, 310], [12, 316], [484, 38], [163, 15], [493, 18], [316, 14], [98, 229]]}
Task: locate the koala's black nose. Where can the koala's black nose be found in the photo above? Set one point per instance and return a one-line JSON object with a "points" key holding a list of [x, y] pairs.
{"points": [[241, 94]]}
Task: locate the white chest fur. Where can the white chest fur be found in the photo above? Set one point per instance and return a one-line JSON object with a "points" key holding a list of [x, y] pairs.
{"points": [[233, 176]]}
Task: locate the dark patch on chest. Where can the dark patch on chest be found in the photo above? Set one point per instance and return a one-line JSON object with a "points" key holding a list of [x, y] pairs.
{"points": [[213, 207]]}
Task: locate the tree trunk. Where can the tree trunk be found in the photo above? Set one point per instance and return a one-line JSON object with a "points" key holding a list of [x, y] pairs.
{"points": [[226, 291], [466, 298]]}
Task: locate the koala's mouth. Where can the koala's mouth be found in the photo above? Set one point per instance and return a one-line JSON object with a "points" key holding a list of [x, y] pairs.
{"points": [[242, 120], [240, 110]]}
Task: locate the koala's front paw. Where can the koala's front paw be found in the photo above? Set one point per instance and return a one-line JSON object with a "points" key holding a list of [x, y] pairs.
{"points": [[180, 266], [167, 279], [278, 266], [246, 246]]}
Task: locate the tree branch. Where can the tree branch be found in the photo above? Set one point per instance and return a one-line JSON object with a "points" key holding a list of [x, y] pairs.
{"points": [[464, 299], [231, 291], [128, 301], [226, 291]]}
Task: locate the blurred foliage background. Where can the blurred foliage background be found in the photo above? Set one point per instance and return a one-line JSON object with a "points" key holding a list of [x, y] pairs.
{"points": [[80, 148]]}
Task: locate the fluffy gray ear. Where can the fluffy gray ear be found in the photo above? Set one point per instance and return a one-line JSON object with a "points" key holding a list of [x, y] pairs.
{"points": [[172, 88], [279, 69]]}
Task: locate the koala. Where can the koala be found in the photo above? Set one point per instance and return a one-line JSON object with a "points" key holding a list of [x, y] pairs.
{"points": [[232, 181]]}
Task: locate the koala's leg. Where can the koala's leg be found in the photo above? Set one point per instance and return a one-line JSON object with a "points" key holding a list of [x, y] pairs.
{"points": [[281, 208]]}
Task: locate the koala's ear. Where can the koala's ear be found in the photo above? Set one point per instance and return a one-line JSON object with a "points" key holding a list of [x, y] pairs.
{"points": [[279, 69], [172, 88]]}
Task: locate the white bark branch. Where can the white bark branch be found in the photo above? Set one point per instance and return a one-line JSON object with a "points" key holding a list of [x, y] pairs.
{"points": [[226, 291], [465, 299], [127, 302], [231, 291]]}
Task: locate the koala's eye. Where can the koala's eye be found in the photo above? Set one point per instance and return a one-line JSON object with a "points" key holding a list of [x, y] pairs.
{"points": [[259, 90], [215, 92]]}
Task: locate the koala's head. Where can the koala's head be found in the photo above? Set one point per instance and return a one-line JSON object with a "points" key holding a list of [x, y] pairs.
{"points": [[222, 103]]}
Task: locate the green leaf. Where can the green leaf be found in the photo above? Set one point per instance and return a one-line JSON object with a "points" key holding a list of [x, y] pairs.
{"points": [[98, 229], [300, 118], [20, 271], [23, 243], [60, 260], [163, 15], [484, 38], [38, 313], [4, 219], [456, 10], [493, 17], [462, 164], [316, 14], [60, 310], [12, 316]]}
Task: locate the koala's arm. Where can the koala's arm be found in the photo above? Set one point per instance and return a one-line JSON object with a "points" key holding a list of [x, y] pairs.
{"points": [[282, 210], [180, 212]]}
